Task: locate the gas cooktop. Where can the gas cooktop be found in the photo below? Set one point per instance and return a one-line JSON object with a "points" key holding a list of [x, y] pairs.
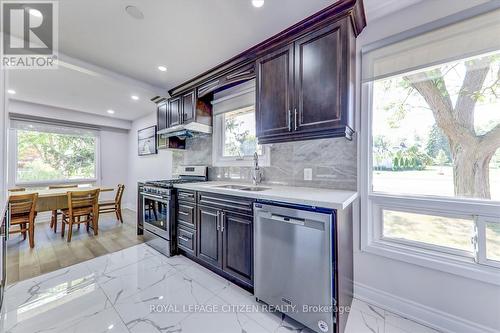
{"points": [[188, 174], [169, 183]]}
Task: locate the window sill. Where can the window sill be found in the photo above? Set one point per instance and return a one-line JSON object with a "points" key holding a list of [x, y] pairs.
{"points": [[56, 182], [448, 263]]}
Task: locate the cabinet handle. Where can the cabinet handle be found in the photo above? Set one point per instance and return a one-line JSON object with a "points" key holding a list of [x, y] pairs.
{"points": [[182, 238], [183, 213], [218, 220], [295, 114], [222, 222], [289, 120]]}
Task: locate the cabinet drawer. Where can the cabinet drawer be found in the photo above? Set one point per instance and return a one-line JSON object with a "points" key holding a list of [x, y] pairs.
{"points": [[185, 214], [225, 202], [186, 240], [184, 195]]}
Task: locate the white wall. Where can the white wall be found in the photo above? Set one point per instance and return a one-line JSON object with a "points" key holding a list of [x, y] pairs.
{"points": [[152, 167], [446, 301], [114, 160]]}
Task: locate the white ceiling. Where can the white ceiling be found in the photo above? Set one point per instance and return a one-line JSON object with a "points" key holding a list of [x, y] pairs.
{"points": [[187, 36]]}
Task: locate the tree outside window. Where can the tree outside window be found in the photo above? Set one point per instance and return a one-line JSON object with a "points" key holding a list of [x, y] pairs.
{"points": [[44, 156]]}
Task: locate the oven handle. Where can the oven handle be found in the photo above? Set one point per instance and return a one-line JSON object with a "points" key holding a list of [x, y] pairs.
{"points": [[147, 195]]}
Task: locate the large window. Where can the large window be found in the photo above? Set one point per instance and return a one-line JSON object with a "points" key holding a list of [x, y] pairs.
{"points": [[235, 141], [437, 130], [433, 145], [48, 154]]}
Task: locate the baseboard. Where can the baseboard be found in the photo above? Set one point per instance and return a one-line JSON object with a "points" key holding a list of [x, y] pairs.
{"points": [[428, 316]]}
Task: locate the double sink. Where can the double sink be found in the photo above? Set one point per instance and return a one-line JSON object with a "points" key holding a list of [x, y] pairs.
{"points": [[244, 188]]}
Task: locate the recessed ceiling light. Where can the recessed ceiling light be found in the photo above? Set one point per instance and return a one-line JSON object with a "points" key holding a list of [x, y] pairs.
{"points": [[134, 12], [11, 91], [162, 68], [110, 327], [258, 3], [111, 111], [135, 97]]}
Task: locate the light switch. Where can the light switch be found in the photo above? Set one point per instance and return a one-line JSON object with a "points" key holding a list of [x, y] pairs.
{"points": [[308, 174]]}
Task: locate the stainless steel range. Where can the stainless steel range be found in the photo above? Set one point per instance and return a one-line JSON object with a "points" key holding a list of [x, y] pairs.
{"points": [[157, 209]]}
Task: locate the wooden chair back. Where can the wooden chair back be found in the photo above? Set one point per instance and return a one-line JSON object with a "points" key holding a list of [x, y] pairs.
{"points": [[119, 194], [52, 187], [17, 189], [24, 204], [83, 200]]}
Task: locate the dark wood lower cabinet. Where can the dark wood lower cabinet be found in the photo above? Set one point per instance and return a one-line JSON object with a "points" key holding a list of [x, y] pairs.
{"points": [[237, 246], [209, 247], [218, 235]]}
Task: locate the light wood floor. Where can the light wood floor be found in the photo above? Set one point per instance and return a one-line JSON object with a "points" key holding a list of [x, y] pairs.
{"points": [[52, 252]]}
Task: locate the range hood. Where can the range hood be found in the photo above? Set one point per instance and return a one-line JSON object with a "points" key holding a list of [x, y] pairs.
{"points": [[186, 130]]}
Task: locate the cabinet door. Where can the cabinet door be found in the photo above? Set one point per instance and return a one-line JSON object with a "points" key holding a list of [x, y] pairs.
{"points": [[320, 75], [174, 112], [162, 116], [188, 107], [274, 93], [209, 247], [238, 246]]}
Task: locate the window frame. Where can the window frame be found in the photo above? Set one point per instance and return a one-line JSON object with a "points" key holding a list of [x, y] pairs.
{"points": [[218, 158], [14, 158], [430, 256], [482, 258]]}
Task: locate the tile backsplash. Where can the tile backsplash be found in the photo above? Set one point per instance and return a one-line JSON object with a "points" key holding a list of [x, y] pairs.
{"points": [[333, 163]]}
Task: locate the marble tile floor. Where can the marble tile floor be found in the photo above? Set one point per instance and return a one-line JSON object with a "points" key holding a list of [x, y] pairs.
{"points": [[139, 290]]}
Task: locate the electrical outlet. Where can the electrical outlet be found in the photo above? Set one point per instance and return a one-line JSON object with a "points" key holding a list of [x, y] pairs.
{"points": [[308, 174]]}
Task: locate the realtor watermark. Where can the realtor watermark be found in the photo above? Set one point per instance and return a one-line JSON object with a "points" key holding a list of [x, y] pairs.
{"points": [[245, 308], [30, 34]]}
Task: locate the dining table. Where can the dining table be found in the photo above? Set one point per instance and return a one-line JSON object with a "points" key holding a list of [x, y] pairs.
{"points": [[57, 198]]}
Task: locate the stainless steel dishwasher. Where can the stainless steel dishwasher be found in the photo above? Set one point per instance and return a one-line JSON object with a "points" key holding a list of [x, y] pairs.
{"points": [[294, 263]]}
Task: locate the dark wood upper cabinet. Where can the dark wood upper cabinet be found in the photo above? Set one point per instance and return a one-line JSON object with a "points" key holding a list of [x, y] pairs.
{"points": [[274, 93], [320, 104], [188, 107], [305, 78], [238, 246], [320, 79], [209, 245], [162, 115], [174, 112]]}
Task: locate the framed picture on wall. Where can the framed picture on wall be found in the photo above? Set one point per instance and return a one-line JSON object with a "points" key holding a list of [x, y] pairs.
{"points": [[147, 141]]}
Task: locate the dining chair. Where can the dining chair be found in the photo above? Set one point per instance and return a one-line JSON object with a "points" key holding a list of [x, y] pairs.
{"points": [[115, 206], [81, 204], [22, 213], [56, 213]]}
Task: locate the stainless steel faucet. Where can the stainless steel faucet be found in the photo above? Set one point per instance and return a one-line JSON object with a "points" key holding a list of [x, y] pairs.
{"points": [[256, 172]]}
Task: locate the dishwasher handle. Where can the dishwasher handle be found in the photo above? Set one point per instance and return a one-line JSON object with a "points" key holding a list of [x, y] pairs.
{"points": [[287, 219]]}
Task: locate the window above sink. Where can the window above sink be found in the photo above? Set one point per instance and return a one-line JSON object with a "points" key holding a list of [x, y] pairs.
{"points": [[234, 140]]}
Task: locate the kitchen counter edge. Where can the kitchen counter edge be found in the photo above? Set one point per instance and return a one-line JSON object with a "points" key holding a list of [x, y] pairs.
{"points": [[332, 199]]}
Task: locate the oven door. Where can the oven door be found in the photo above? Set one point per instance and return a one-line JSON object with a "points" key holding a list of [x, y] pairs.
{"points": [[156, 215]]}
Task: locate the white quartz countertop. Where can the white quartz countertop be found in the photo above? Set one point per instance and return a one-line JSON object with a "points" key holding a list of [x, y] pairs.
{"points": [[317, 197]]}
